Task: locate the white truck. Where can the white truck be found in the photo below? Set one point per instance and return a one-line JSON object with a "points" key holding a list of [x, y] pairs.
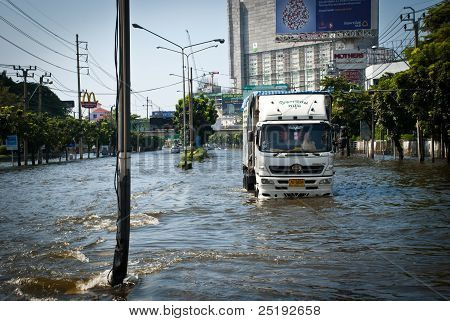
{"points": [[287, 144]]}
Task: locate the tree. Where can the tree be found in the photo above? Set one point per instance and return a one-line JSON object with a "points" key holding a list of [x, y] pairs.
{"points": [[391, 114], [349, 108], [11, 93], [204, 115], [429, 75]]}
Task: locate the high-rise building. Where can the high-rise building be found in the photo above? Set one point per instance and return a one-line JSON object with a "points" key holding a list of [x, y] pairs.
{"points": [[298, 42]]}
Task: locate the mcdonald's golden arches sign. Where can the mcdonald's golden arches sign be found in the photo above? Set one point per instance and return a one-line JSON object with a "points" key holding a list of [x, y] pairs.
{"points": [[91, 102]]}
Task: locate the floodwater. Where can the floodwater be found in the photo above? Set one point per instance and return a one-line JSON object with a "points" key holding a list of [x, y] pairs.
{"points": [[197, 235]]}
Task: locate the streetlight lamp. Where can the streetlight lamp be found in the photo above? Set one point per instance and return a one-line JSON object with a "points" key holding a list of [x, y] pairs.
{"points": [[136, 26], [191, 90]]}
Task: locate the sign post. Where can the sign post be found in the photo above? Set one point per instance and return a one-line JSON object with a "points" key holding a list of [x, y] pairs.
{"points": [[11, 144]]}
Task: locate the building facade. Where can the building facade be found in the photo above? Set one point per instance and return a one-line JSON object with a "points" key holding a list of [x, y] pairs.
{"points": [[259, 55]]}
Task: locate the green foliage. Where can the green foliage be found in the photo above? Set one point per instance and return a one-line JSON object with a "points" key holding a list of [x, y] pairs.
{"points": [[349, 108], [204, 115], [53, 132], [391, 113], [429, 75], [226, 139], [11, 94], [199, 154]]}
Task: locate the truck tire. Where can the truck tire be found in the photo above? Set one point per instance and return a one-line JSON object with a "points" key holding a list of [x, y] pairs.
{"points": [[249, 182]]}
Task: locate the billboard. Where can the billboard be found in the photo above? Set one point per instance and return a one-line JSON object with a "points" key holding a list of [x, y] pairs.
{"points": [[163, 114], [312, 16], [350, 59], [353, 76], [247, 90], [231, 104]]}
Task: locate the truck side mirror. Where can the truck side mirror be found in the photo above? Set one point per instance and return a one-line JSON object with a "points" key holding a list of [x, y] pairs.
{"points": [[250, 136]]}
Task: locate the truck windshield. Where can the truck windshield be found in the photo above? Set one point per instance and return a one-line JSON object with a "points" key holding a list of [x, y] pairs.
{"points": [[291, 138]]}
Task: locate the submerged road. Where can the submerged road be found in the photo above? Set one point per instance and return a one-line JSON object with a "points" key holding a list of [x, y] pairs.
{"points": [[197, 235]]}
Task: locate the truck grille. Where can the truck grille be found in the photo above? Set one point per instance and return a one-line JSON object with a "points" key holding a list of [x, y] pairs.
{"points": [[287, 170]]}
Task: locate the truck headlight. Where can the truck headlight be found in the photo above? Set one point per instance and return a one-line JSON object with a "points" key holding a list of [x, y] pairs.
{"points": [[326, 181], [266, 181]]}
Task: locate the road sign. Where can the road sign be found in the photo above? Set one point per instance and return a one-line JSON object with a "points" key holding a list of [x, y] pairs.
{"points": [[11, 142]]}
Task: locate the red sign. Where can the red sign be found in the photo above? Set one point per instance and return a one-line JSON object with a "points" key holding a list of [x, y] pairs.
{"points": [[89, 104], [352, 75], [353, 55]]}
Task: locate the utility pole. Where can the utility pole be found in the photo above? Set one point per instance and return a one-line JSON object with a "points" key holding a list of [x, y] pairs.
{"points": [[372, 141], [120, 263], [79, 90], [147, 108], [184, 113], [420, 146], [41, 83], [191, 119], [212, 73], [25, 75]]}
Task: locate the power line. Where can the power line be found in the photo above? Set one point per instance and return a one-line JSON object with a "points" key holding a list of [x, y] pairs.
{"points": [[393, 22], [37, 57], [39, 24], [46, 16], [33, 39]]}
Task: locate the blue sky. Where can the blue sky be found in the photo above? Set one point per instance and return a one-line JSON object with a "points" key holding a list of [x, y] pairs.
{"points": [[94, 21]]}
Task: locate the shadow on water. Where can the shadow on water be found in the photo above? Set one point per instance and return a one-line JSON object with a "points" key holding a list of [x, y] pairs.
{"points": [[197, 235]]}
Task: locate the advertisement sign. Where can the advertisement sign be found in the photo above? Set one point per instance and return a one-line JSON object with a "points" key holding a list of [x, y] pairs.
{"points": [[90, 102], [310, 16], [163, 114], [353, 76], [350, 59], [11, 142], [231, 104], [248, 89]]}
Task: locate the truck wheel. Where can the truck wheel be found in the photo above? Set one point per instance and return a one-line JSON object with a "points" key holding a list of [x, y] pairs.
{"points": [[248, 182]]}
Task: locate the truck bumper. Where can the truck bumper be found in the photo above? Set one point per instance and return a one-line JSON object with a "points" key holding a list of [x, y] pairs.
{"points": [[280, 187]]}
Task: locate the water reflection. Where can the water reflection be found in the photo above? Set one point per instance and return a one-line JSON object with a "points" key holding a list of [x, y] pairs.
{"points": [[198, 236]]}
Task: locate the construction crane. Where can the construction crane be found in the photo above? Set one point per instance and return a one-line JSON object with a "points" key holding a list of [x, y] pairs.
{"points": [[192, 53]]}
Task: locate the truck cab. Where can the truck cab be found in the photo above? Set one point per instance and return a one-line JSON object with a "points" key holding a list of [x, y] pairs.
{"points": [[287, 150]]}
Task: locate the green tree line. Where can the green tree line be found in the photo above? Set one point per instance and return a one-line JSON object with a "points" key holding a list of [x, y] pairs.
{"points": [[55, 132], [417, 96]]}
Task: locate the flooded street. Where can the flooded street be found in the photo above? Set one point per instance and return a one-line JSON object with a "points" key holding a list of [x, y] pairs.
{"points": [[197, 235]]}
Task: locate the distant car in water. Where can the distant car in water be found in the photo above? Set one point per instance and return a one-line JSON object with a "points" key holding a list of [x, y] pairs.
{"points": [[175, 150], [104, 150]]}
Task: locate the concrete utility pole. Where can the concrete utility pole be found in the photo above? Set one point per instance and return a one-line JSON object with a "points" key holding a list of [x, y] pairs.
{"points": [[372, 140], [420, 145], [120, 263], [79, 90], [41, 83], [25, 75], [191, 119]]}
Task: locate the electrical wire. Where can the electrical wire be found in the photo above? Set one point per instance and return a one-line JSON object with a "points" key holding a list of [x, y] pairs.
{"points": [[33, 39], [17, 8], [37, 57]]}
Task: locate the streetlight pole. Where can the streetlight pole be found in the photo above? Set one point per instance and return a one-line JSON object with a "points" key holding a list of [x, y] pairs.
{"points": [[136, 26], [41, 83], [190, 89]]}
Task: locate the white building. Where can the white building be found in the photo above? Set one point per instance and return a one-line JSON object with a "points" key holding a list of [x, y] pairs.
{"points": [[374, 72], [99, 114]]}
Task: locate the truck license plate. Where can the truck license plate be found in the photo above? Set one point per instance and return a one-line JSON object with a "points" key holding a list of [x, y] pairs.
{"points": [[296, 183]]}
